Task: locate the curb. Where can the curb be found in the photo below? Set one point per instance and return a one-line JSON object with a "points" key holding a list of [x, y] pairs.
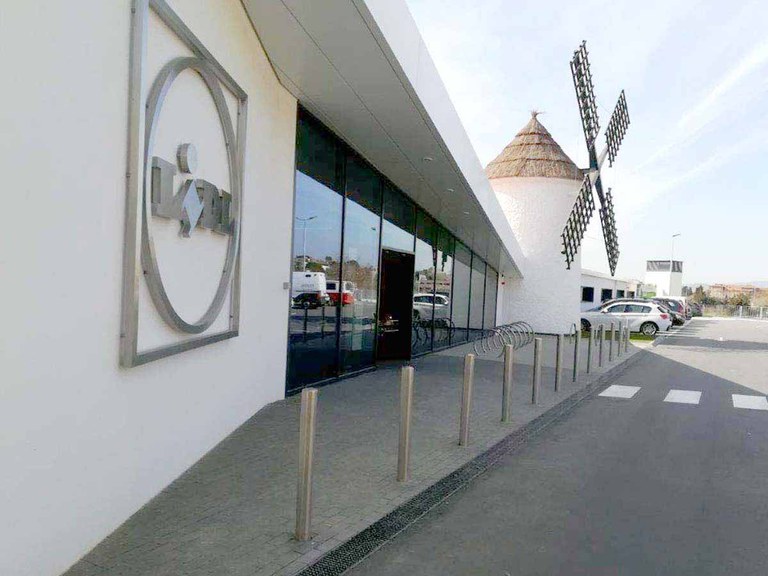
{"points": [[345, 556]]}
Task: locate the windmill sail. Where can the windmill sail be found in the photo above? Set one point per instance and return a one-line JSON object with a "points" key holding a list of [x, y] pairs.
{"points": [[577, 222], [573, 233]]}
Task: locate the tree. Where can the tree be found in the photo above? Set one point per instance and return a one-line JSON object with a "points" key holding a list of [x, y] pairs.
{"points": [[739, 300]]}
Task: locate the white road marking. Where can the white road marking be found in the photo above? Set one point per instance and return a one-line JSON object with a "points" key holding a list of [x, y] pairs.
{"points": [[617, 391], [750, 402], [683, 396]]}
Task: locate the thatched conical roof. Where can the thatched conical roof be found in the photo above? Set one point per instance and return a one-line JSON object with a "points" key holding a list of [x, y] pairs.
{"points": [[533, 153]]}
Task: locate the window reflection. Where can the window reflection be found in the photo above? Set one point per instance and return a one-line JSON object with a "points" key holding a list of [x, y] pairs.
{"points": [[477, 295], [360, 272], [460, 305], [399, 221], [443, 280], [491, 287], [423, 284], [312, 351]]}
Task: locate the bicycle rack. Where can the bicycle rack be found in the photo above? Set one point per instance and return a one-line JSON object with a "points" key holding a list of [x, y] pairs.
{"points": [[517, 334]]}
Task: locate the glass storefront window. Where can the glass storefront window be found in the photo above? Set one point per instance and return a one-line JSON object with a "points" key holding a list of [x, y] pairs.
{"points": [[443, 282], [360, 270], [312, 348], [399, 221], [460, 298], [476, 298], [423, 283], [491, 287]]}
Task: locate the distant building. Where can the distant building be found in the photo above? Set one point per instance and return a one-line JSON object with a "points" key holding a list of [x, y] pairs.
{"points": [[666, 276], [597, 287]]}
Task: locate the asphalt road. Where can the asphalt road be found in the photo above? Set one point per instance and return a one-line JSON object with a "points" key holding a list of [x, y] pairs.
{"points": [[623, 486]]}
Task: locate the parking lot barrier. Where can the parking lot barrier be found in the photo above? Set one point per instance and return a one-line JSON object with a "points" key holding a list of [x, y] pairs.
{"points": [[506, 388], [558, 362], [537, 342], [406, 404], [307, 420], [466, 398], [576, 346]]}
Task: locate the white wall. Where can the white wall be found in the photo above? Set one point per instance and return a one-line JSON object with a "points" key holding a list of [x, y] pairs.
{"points": [[667, 284], [537, 209], [84, 443], [600, 282]]}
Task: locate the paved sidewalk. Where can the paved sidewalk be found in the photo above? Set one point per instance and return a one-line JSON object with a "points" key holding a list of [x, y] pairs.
{"points": [[232, 513]]}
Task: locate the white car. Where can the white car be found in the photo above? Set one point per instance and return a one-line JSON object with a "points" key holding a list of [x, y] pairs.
{"points": [[642, 316], [422, 306]]}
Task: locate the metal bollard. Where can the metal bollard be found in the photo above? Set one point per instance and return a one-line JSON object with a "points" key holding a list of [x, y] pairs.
{"points": [[466, 398], [536, 370], [590, 340], [406, 403], [601, 336], [626, 342], [307, 421], [506, 388], [620, 342], [610, 344], [576, 345], [558, 362]]}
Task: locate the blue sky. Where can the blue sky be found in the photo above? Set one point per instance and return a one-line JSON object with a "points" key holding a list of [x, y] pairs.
{"points": [[696, 76]]}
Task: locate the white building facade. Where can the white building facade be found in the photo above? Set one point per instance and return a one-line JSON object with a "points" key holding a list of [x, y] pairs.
{"points": [[664, 278], [597, 287], [183, 161]]}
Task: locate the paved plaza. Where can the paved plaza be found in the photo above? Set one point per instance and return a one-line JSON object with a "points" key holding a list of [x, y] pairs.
{"points": [[233, 512]]}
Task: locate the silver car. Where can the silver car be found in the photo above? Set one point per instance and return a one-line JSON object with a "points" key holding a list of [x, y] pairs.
{"points": [[642, 316]]}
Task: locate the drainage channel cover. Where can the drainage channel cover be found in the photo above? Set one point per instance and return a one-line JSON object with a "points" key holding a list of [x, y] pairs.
{"points": [[354, 550]]}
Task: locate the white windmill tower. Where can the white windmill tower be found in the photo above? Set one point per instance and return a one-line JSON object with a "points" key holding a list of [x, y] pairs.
{"points": [[549, 201], [537, 185]]}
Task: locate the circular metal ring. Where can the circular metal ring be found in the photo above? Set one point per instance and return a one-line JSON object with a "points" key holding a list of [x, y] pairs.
{"points": [[157, 95]]}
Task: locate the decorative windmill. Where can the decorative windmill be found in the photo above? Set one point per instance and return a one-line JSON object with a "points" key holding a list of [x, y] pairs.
{"points": [[576, 226]]}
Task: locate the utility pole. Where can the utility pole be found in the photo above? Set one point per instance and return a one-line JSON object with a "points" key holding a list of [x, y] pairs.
{"points": [[304, 246], [672, 262]]}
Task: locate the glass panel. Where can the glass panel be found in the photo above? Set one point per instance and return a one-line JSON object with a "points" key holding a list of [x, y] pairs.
{"points": [[443, 280], [423, 282], [312, 351], [491, 285], [358, 293], [476, 297], [460, 297], [399, 221]]}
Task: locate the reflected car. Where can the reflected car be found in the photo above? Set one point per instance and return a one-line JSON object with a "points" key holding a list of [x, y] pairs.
{"points": [[311, 300], [642, 316], [423, 302]]}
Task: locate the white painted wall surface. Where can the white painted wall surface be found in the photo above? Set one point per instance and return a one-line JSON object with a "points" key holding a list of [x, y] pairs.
{"points": [[600, 282], [549, 294], [667, 284], [84, 443]]}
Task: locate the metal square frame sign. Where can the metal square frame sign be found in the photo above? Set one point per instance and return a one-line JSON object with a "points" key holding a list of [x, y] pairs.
{"points": [[151, 192]]}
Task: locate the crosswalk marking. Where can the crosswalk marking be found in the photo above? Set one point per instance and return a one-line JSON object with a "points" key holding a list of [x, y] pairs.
{"points": [[683, 396], [750, 402], [617, 391]]}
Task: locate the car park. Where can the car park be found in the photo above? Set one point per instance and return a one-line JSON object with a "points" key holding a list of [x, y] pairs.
{"points": [[644, 316]]}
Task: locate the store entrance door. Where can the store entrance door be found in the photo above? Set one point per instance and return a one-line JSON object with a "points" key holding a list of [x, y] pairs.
{"points": [[395, 305]]}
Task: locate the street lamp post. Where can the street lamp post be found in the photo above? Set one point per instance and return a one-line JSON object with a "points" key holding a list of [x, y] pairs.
{"points": [[304, 245], [672, 262]]}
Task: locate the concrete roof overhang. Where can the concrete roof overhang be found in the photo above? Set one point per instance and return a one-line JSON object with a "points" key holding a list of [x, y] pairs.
{"points": [[361, 66]]}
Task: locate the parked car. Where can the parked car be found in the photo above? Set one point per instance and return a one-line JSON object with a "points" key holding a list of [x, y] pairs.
{"points": [[310, 300], [696, 309], [643, 316], [423, 302], [676, 307]]}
